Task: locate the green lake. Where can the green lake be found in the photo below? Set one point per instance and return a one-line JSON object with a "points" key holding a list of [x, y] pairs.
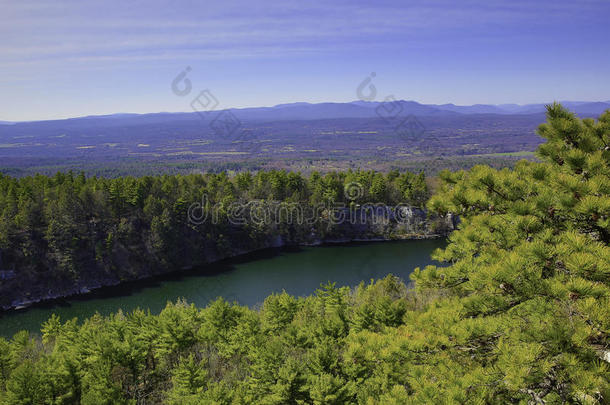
{"points": [[247, 279]]}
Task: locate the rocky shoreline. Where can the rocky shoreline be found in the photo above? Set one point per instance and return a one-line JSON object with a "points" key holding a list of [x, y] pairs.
{"points": [[419, 226], [92, 288]]}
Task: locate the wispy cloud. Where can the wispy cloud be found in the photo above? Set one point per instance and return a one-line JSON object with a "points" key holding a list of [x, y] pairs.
{"points": [[93, 55], [44, 31]]}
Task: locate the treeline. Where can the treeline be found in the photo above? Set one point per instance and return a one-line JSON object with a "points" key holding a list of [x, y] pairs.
{"points": [[335, 347], [68, 230], [136, 167], [520, 313]]}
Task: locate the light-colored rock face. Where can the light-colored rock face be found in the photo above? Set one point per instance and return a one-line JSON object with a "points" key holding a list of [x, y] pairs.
{"points": [[356, 223], [391, 222]]}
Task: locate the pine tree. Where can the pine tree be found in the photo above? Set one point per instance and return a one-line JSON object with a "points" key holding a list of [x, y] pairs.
{"points": [[527, 291]]}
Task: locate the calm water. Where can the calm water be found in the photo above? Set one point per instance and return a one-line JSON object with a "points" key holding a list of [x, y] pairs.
{"points": [[247, 280]]}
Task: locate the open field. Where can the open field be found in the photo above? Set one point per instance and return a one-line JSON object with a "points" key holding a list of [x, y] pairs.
{"points": [[186, 143]]}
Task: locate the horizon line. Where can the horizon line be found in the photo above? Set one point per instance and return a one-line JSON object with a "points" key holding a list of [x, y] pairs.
{"points": [[5, 121]]}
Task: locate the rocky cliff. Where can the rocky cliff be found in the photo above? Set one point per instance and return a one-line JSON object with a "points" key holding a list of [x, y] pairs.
{"points": [[137, 258]]}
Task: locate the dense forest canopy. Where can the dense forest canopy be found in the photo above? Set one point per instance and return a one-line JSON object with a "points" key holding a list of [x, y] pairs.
{"points": [[519, 313], [67, 232]]}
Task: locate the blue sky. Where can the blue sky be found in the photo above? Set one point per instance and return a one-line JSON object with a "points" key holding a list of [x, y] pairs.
{"points": [[73, 58]]}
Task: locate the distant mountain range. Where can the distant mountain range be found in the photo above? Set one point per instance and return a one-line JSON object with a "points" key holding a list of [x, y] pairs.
{"points": [[371, 109], [358, 109], [366, 109], [359, 131]]}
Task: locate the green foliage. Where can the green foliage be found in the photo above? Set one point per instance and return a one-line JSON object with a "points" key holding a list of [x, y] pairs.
{"points": [[519, 313], [527, 289], [292, 350], [69, 230], [188, 381]]}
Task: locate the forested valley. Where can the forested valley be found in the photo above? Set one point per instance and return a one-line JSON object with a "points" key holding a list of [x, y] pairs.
{"points": [[518, 310], [65, 234]]}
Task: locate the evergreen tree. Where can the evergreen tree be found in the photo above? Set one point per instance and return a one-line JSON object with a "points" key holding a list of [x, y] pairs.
{"points": [[519, 312]]}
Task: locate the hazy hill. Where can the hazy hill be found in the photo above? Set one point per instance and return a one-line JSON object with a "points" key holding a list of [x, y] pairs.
{"points": [[309, 111], [358, 132]]}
